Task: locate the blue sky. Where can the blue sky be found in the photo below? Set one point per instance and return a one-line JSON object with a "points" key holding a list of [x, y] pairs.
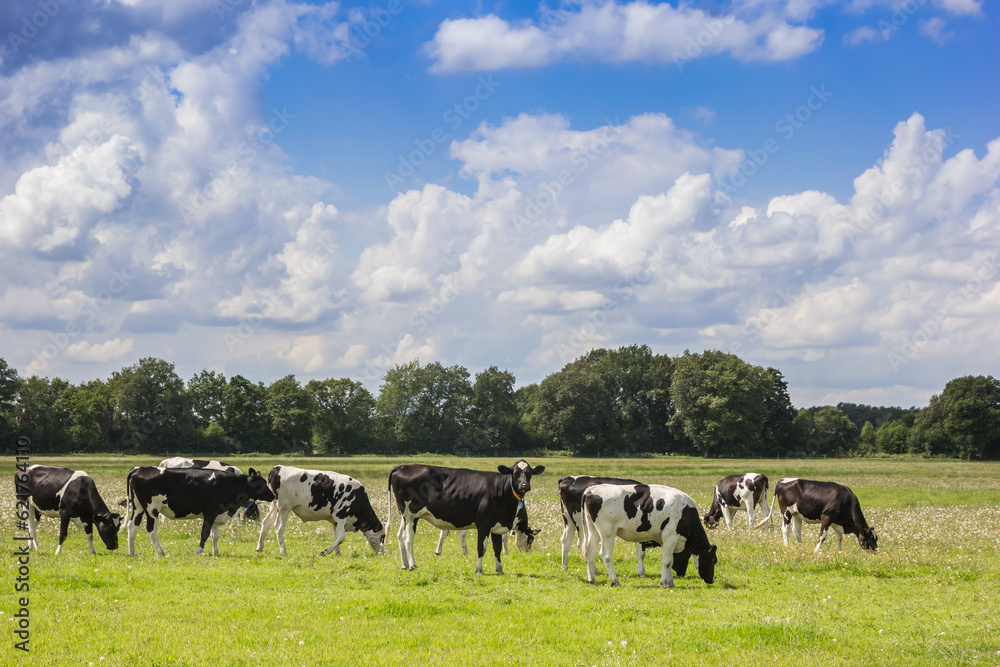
{"points": [[256, 188]]}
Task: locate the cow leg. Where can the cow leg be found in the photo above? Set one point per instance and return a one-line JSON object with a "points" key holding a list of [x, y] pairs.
{"points": [[728, 516], [607, 555], [206, 531], [339, 533], [751, 511], [482, 535], [409, 533], [567, 541], [401, 538], [786, 519], [499, 546], [279, 530], [266, 525], [824, 528], [133, 528], [797, 527], [153, 527], [840, 535], [463, 538], [640, 559], [88, 530], [63, 528], [33, 516], [215, 540], [441, 539], [667, 575]]}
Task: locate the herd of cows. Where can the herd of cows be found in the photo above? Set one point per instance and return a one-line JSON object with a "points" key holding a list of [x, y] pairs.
{"points": [[595, 510]]}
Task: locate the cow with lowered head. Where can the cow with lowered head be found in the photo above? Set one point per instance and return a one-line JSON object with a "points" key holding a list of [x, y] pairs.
{"points": [[317, 495], [459, 499], [524, 536], [68, 495], [189, 493], [644, 513], [830, 504], [571, 488], [250, 511], [746, 490]]}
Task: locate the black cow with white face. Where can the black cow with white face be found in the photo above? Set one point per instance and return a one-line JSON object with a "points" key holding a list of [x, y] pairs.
{"points": [[644, 513], [827, 503], [318, 495], [459, 499], [68, 495], [746, 490], [571, 488], [189, 493], [524, 535]]}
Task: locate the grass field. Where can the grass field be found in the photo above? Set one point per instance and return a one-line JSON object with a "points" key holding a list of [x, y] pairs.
{"points": [[930, 596]]}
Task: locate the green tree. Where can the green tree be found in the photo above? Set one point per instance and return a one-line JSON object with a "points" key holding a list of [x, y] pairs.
{"points": [[9, 384], [721, 403], [245, 417], [290, 408], [891, 438], [152, 411], [971, 416], [206, 394], [573, 412], [42, 412], [425, 409], [832, 433], [866, 440], [94, 415], [343, 414], [493, 413]]}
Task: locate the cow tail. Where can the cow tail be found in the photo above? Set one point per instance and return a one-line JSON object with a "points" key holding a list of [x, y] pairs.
{"points": [[770, 513], [388, 519], [130, 500]]}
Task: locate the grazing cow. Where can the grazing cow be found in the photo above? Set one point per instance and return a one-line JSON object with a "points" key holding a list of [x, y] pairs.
{"points": [[181, 462], [189, 493], [249, 512], [67, 495], [459, 499], [826, 503], [316, 495], [644, 513], [571, 488], [736, 491], [524, 536]]}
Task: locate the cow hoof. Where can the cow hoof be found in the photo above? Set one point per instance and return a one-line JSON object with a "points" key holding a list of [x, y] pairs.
{"points": [[437, 553], [614, 583]]}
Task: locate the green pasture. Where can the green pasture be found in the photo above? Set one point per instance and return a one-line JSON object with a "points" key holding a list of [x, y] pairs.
{"points": [[930, 596]]}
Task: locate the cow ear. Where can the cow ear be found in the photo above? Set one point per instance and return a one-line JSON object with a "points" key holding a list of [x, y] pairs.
{"points": [[538, 470], [504, 470], [254, 473], [534, 531]]}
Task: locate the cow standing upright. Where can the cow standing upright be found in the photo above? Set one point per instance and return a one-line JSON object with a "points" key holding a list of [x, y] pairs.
{"points": [[524, 536], [644, 513], [250, 511], [458, 499], [189, 493], [571, 488], [745, 490], [827, 503], [318, 495], [68, 495]]}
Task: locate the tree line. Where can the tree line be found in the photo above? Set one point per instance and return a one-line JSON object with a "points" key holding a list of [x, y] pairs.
{"points": [[608, 402]]}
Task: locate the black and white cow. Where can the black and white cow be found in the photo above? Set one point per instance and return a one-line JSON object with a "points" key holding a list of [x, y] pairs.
{"points": [[571, 488], [189, 493], [317, 495], [68, 495], [644, 513], [735, 492], [459, 499], [827, 503], [524, 536], [181, 462], [250, 511]]}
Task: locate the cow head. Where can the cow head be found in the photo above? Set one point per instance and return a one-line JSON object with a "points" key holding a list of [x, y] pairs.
{"points": [[259, 490], [524, 540], [520, 476], [706, 565], [108, 526], [868, 539], [376, 538]]}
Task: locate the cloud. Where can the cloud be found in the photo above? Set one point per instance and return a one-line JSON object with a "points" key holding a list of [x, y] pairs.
{"points": [[636, 31], [934, 30], [111, 350]]}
